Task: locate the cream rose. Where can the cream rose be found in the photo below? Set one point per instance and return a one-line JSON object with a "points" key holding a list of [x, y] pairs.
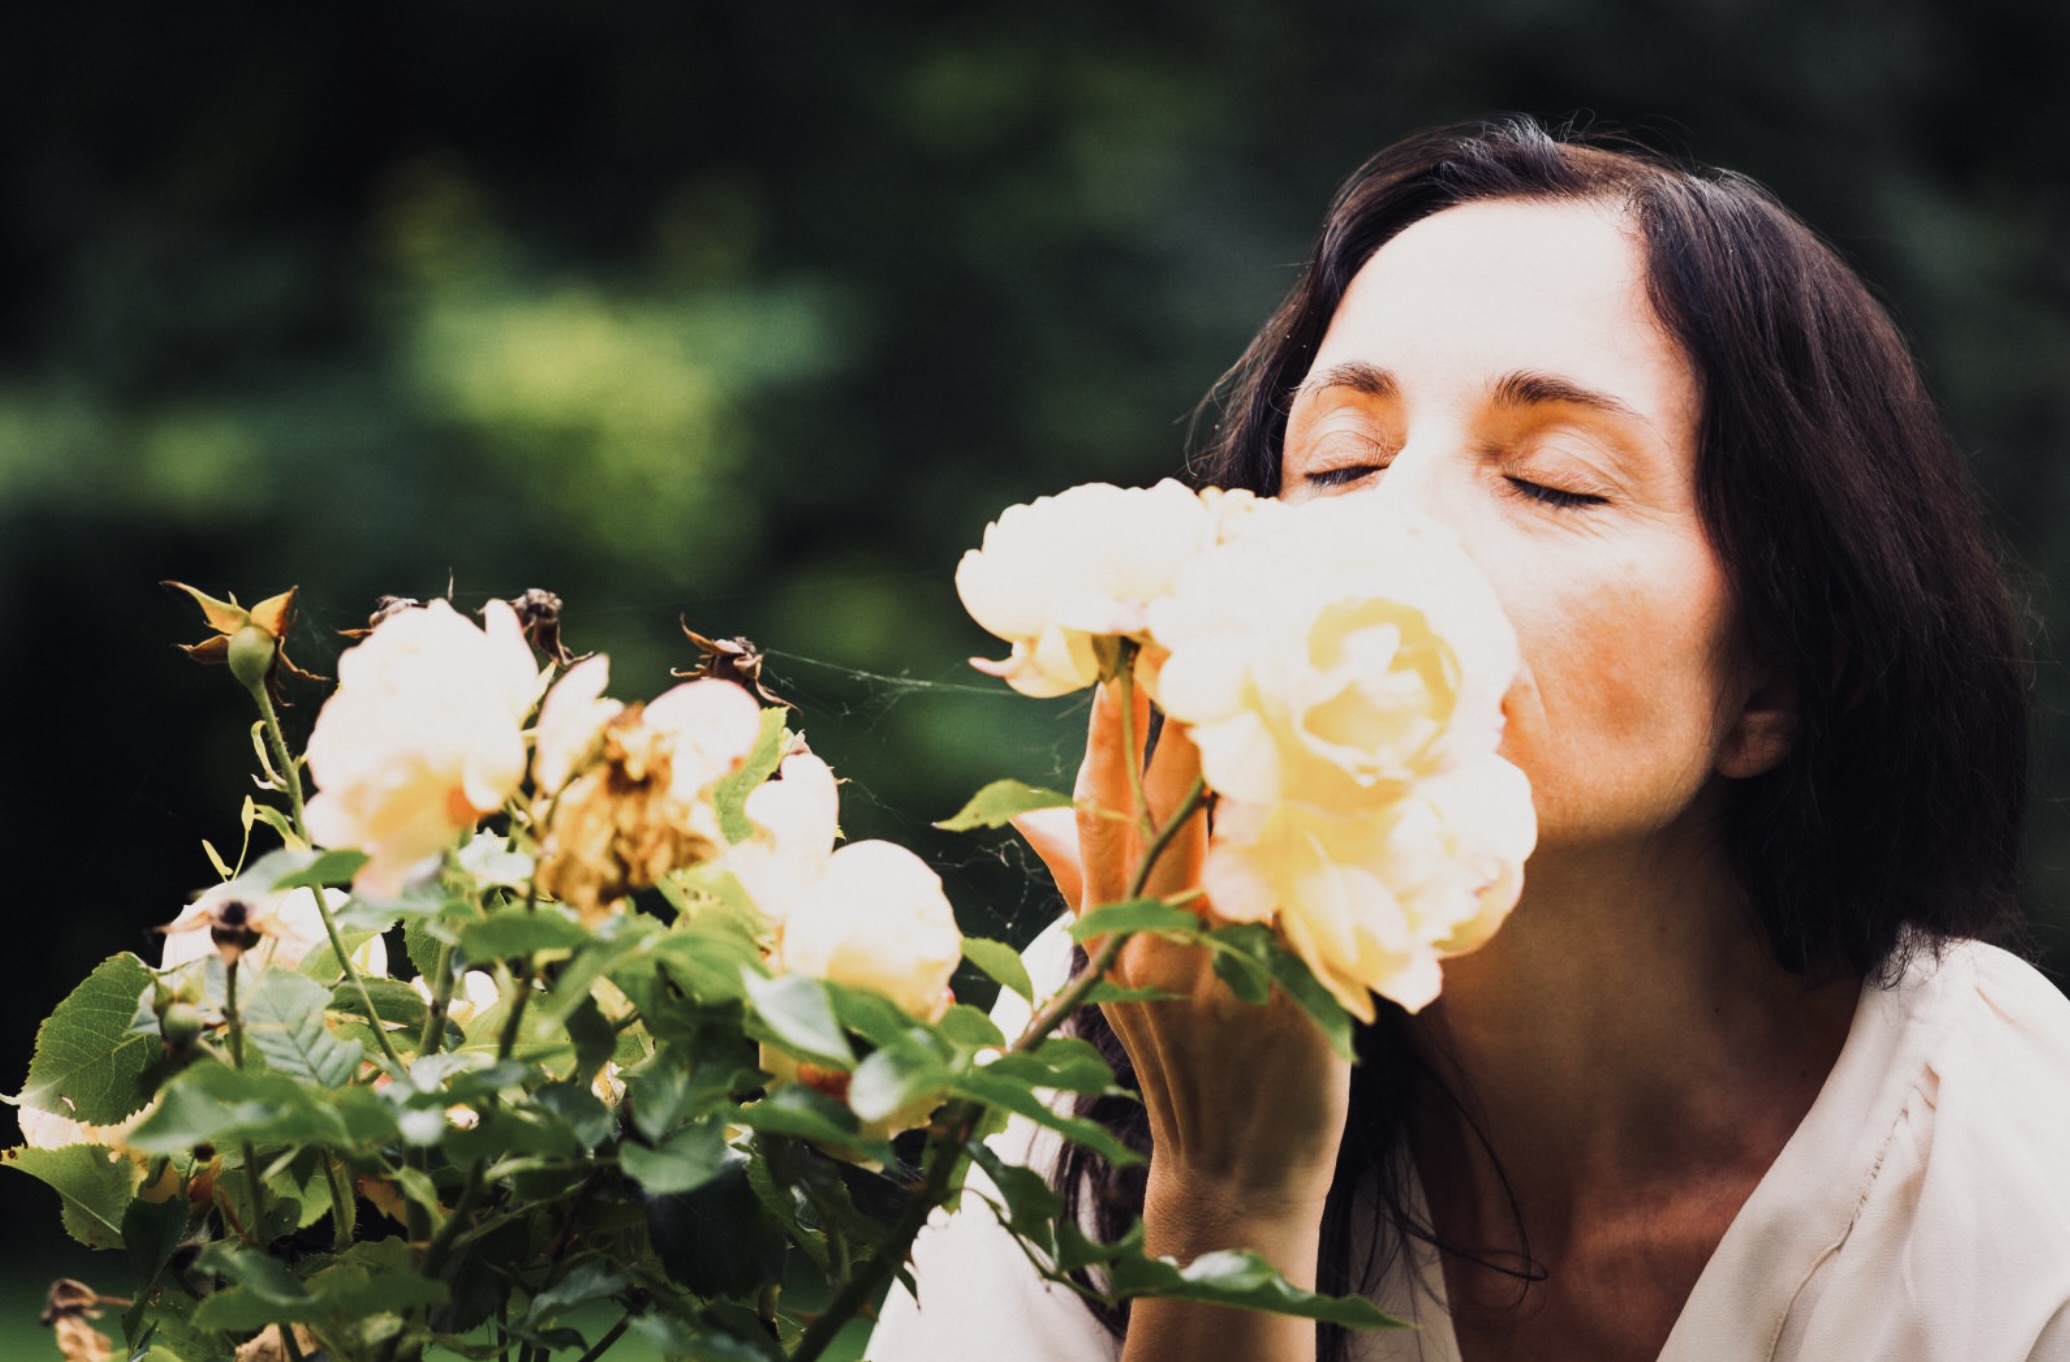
{"points": [[876, 919], [1329, 654], [869, 915], [1374, 899], [1342, 672], [422, 738], [571, 719], [1059, 573], [797, 819]]}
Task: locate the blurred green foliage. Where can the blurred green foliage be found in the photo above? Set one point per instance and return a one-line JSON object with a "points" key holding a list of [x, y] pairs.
{"points": [[753, 315]]}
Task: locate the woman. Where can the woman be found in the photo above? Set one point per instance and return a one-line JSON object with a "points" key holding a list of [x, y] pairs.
{"points": [[1736, 1080]]}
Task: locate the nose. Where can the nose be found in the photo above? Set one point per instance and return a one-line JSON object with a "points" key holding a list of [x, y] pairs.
{"points": [[1418, 480]]}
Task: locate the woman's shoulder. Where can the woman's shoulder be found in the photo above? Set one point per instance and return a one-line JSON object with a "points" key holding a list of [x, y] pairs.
{"points": [[1959, 1242], [1996, 1069], [1922, 1209]]}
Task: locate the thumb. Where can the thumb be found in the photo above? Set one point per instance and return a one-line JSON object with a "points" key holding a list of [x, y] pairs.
{"points": [[1053, 835]]}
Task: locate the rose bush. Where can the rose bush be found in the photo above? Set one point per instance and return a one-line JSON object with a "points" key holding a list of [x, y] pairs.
{"points": [[532, 1013]]}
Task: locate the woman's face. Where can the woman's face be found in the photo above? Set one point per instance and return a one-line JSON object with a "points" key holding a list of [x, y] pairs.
{"points": [[1497, 368]]}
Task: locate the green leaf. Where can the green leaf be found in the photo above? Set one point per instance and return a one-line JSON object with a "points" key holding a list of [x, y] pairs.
{"points": [[151, 1231], [706, 964], [322, 964], [729, 796], [1248, 978], [215, 1104], [585, 1282], [394, 1001], [687, 1159], [1000, 962], [999, 803], [798, 1110], [1064, 1062], [1016, 1096], [1032, 1207], [329, 868], [89, 1064], [966, 1026], [800, 1016], [507, 1131], [1135, 915], [577, 1108], [96, 1184], [1298, 982], [1238, 1278], [590, 1032], [367, 1279], [781, 1204], [284, 1021], [514, 932], [870, 1014], [718, 1240], [891, 1079]]}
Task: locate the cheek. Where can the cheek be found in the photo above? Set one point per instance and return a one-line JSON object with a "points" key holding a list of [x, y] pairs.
{"points": [[1617, 717]]}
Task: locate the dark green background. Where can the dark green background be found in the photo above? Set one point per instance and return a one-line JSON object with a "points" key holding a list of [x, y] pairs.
{"points": [[756, 313]]}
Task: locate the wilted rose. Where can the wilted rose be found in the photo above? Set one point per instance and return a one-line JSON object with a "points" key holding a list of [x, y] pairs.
{"points": [[1059, 573], [643, 809], [423, 737]]}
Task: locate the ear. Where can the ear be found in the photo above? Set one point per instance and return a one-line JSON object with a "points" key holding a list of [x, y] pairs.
{"points": [[1763, 733]]}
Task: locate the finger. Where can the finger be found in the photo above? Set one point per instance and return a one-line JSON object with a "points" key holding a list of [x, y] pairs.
{"points": [[1107, 837], [1174, 766], [1052, 834]]}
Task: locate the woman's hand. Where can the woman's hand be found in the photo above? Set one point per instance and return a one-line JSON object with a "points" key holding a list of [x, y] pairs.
{"points": [[1246, 1104]]}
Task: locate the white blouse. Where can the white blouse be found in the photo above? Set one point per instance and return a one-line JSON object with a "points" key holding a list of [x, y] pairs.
{"points": [[1920, 1213]]}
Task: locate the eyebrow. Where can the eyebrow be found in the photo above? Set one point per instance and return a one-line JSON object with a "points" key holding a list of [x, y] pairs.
{"points": [[1530, 388], [1369, 379], [1519, 388]]}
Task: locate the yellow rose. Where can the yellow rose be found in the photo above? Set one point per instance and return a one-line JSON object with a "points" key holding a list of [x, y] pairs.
{"points": [[1058, 573], [797, 817], [423, 737], [1373, 899], [1342, 672], [876, 919], [571, 719], [1328, 654]]}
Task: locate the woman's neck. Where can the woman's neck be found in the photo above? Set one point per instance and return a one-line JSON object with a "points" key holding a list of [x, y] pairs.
{"points": [[1626, 1038]]}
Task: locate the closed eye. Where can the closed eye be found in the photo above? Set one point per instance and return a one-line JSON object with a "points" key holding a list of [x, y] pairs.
{"points": [[1552, 496], [1341, 476]]}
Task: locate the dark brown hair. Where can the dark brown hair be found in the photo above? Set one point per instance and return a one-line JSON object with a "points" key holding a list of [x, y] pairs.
{"points": [[1846, 523]]}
